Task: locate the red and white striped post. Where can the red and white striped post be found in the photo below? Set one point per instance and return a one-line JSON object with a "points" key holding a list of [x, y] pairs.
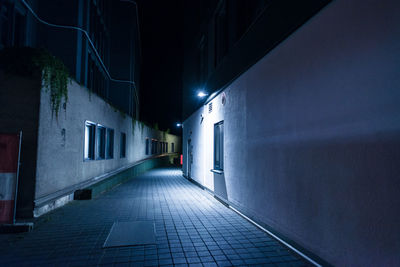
{"points": [[9, 161]]}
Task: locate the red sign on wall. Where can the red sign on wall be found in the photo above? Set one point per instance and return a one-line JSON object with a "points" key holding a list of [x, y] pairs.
{"points": [[9, 150]]}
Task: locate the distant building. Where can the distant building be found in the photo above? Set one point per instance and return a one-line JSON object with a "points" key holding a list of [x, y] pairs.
{"points": [[95, 135], [300, 130]]}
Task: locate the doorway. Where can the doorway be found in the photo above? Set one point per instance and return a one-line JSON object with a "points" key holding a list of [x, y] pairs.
{"points": [[189, 158]]}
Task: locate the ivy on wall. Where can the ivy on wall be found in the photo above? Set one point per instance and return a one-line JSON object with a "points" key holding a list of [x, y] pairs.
{"points": [[140, 125], [28, 61], [55, 78]]}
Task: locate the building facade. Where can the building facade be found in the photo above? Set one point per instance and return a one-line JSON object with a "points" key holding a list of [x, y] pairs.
{"points": [[89, 141], [113, 49], [93, 133], [305, 140]]}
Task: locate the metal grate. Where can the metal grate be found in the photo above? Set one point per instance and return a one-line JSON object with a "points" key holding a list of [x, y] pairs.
{"points": [[210, 107], [131, 234]]}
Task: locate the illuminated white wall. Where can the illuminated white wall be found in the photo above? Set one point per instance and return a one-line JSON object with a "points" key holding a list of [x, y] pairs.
{"points": [[201, 132], [312, 136]]}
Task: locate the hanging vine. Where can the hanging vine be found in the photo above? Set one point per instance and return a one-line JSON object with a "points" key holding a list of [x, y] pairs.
{"points": [[140, 125], [133, 126], [55, 78]]}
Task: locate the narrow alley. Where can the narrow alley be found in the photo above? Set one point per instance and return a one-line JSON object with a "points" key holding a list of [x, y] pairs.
{"points": [[283, 118], [192, 228]]}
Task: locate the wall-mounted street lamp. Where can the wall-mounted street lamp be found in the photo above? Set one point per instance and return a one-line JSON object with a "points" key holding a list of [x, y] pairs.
{"points": [[179, 124], [202, 94]]}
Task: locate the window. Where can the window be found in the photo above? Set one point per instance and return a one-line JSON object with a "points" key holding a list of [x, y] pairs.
{"points": [[172, 147], [166, 147], [110, 144], [219, 146], [147, 146], [153, 146], [19, 29], [247, 13], [123, 145], [221, 33], [203, 59], [5, 24], [101, 142], [90, 130]]}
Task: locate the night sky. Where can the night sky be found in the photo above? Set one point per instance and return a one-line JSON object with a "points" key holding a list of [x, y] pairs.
{"points": [[162, 56]]}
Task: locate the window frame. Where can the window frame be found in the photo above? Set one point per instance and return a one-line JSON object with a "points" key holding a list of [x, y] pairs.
{"points": [[122, 145], [109, 143], [219, 146], [221, 32], [147, 151], [91, 139], [5, 25], [101, 142], [153, 146]]}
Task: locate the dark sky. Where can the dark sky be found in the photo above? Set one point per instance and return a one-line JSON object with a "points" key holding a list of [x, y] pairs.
{"points": [[161, 86]]}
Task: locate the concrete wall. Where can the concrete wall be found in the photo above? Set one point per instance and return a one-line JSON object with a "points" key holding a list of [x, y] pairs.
{"points": [[61, 163], [52, 147], [311, 136]]}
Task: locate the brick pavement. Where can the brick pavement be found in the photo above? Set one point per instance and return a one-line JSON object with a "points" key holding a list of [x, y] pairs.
{"points": [[192, 228]]}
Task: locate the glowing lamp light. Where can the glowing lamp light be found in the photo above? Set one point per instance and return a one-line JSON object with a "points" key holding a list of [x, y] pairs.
{"points": [[178, 124], [201, 94]]}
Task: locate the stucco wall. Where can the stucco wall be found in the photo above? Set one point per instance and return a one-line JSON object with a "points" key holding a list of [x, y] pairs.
{"points": [[61, 141], [311, 140]]}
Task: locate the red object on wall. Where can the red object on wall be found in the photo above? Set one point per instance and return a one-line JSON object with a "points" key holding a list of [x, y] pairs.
{"points": [[181, 159], [9, 148]]}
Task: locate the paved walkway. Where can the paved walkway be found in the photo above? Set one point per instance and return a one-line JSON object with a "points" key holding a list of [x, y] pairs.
{"points": [[192, 228]]}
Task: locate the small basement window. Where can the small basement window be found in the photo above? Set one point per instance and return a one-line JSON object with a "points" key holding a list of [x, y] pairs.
{"points": [[90, 130], [123, 145]]}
